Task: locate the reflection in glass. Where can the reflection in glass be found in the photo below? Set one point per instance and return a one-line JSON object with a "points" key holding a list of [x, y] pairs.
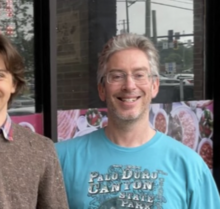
{"points": [[16, 22], [83, 27], [169, 24]]}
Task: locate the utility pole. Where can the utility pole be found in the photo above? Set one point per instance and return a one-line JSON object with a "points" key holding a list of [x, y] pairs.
{"points": [[123, 25], [147, 18], [154, 27], [183, 54], [127, 15]]}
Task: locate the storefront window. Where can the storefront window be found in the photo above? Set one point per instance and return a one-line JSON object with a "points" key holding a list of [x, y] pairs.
{"points": [[170, 25], [16, 22], [176, 27]]}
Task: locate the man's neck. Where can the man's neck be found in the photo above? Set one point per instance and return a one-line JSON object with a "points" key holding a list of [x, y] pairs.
{"points": [[130, 134]]}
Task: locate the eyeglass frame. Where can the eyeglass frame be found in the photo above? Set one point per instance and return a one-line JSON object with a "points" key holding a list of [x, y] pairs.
{"points": [[126, 74]]}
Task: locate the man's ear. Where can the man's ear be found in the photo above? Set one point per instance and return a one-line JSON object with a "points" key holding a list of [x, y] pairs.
{"points": [[155, 87], [101, 90]]}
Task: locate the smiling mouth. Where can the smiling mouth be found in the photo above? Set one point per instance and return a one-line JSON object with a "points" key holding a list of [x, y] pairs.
{"points": [[128, 99]]}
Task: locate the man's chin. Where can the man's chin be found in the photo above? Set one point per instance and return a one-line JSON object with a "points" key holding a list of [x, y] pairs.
{"points": [[127, 118]]}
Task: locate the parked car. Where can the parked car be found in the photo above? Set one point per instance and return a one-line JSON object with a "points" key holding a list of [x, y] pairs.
{"points": [[184, 76], [21, 111], [22, 101], [187, 78], [188, 81], [167, 80], [188, 71]]}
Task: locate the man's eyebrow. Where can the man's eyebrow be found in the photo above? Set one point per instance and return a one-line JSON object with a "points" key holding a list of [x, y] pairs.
{"points": [[116, 69], [141, 68], [138, 68], [3, 70]]}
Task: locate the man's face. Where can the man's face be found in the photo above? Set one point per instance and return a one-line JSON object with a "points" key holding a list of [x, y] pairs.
{"points": [[7, 87], [128, 100]]}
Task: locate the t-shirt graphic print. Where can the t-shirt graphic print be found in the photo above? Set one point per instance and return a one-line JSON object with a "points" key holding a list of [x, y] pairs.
{"points": [[127, 186]]}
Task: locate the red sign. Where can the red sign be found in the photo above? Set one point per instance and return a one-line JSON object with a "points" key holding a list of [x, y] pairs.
{"points": [[33, 122]]}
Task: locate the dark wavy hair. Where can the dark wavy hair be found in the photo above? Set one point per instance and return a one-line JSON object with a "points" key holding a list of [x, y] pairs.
{"points": [[14, 64]]}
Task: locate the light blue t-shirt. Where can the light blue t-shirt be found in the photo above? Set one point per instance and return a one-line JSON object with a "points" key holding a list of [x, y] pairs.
{"points": [[161, 174]]}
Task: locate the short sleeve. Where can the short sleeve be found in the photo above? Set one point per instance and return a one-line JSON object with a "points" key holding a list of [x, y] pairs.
{"points": [[205, 194]]}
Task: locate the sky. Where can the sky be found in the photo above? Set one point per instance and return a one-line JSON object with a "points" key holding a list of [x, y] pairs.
{"points": [[168, 18]]}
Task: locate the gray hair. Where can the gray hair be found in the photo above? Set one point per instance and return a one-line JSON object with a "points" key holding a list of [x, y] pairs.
{"points": [[127, 41]]}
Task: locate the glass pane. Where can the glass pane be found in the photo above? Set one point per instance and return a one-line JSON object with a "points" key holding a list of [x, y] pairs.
{"points": [[72, 54], [172, 25], [175, 26], [16, 22]]}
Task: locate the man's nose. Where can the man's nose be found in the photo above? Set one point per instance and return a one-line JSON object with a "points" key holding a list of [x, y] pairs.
{"points": [[129, 83]]}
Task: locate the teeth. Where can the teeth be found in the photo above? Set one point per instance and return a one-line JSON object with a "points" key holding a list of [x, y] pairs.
{"points": [[129, 100]]}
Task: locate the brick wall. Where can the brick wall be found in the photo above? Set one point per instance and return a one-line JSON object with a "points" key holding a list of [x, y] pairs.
{"points": [[199, 39], [102, 26], [72, 54], [83, 26]]}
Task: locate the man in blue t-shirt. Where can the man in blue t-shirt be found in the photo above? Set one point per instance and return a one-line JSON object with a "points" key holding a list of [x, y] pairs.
{"points": [[128, 164]]}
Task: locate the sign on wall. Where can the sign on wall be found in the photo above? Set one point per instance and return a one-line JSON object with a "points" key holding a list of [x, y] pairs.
{"points": [[34, 122], [191, 123], [68, 37]]}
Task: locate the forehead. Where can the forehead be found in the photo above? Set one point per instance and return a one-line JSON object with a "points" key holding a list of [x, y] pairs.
{"points": [[3, 68], [2, 61], [129, 59]]}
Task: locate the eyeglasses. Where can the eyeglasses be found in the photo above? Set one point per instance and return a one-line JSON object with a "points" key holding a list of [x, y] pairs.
{"points": [[119, 77]]}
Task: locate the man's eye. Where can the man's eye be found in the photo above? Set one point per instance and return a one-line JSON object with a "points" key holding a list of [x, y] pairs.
{"points": [[2, 75], [139, 75], [117, 76]]}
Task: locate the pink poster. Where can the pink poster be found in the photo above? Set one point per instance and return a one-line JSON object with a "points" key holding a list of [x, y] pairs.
{"points": [[191, 123], [34, 122]]}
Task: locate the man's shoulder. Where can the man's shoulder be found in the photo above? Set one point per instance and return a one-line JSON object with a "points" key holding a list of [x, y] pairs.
{"points": [[179, 149], [25, 135], [79, 141], [184, 157]]}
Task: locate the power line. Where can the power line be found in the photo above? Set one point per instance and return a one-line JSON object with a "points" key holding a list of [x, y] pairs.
{"points": [[172, 6], [188, 0], [131, 2], [183, 2], [160, 4], [181, 35]]}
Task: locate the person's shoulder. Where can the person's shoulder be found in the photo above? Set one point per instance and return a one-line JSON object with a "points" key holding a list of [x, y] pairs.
{"points": [[179, 149], [34, 139], [78, 141], [186, 159]]}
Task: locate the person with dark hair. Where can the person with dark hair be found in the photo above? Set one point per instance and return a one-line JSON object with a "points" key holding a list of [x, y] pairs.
{"points": [[128, 164], [30, 174]]}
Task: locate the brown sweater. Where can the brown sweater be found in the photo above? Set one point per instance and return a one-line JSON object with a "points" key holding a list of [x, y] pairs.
{"points": [[30, 174]]}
